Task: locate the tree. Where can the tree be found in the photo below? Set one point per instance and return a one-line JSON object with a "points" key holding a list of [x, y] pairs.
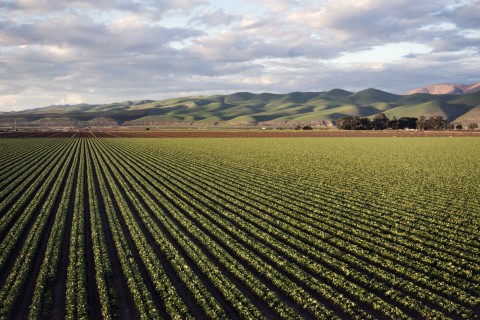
{"points": [[436, 123], [380, 122], [364, 124], [345, 123], [459, 127], [298, 127], [307, 128], [394, 123], [421, 123], [407, 123], [472, 126], [355, 123]]}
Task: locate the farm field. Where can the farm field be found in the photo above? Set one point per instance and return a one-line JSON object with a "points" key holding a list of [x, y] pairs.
{"points": [[234, 133], [220, 228]]}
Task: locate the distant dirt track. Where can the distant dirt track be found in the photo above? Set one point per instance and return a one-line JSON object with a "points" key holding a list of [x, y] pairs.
{"points": [[237, 134]]}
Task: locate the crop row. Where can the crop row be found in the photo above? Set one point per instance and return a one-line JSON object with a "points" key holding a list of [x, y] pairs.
{"points": [[197, 196], [41, 213], [243, 229]]}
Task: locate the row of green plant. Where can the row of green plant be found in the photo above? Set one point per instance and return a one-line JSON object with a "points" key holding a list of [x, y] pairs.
{"points": [[141, 296], [40, 212], [76, 286], [42, 301], [459, 259], [165, 289], [211, 309], [22, 184], [277, 277], [103, 265], [259, 228], [266, 208]]}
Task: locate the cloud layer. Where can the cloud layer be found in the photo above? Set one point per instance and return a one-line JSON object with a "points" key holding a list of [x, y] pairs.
{"points": [[54, 52]]}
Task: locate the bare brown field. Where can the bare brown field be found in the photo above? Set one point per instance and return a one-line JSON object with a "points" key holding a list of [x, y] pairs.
{"points": [[235, 134]]}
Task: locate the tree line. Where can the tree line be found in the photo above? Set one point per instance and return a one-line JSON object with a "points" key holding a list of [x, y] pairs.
{"points": [[382, 122]]}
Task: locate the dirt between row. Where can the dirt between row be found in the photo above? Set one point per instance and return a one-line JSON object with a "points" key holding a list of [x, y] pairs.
{"points": [[237, 133]]}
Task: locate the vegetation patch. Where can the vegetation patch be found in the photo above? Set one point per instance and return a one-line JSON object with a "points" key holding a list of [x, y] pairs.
{"points": [[264, 228]]}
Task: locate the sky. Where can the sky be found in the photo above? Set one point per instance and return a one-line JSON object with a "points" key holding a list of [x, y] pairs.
{"points": [[68, 52]]}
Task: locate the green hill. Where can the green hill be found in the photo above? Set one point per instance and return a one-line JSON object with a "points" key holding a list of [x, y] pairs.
{"points": [[250, 108], [369, 96], [471, 116], [335, 94], [429, 109]]}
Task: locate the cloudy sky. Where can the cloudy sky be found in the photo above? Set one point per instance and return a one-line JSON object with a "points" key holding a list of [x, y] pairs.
{"points": [[99, 51]]}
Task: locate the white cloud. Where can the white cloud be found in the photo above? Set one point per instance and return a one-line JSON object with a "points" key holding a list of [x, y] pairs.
{"points": [[213, 18], [100, 51], [72, 98], [280, 6]]}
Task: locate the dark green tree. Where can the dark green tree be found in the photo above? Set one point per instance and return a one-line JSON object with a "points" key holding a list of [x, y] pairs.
{"points": [[421, 123], [364, 124], [343, 124], [436, 123], [407, 123], [355, 123], [394, 123], [380, 122]]}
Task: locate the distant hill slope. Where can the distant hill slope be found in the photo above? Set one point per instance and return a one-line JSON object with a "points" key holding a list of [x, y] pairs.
{"points": [[446, 88], [245, 108]]}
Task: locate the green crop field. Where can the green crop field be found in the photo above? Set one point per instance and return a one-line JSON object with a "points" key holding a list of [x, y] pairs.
{"points": [[260, 228]]}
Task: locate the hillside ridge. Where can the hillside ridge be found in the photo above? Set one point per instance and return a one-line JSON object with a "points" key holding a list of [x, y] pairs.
{"points": [[246, 108], [446, 88]]}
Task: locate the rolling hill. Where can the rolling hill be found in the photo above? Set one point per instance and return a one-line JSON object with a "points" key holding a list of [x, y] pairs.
{"points": [[245, 108], [446, 88]]}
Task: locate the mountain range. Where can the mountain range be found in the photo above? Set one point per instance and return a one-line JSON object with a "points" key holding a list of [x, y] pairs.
{"points": [[244, 108], [446, 88]]}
